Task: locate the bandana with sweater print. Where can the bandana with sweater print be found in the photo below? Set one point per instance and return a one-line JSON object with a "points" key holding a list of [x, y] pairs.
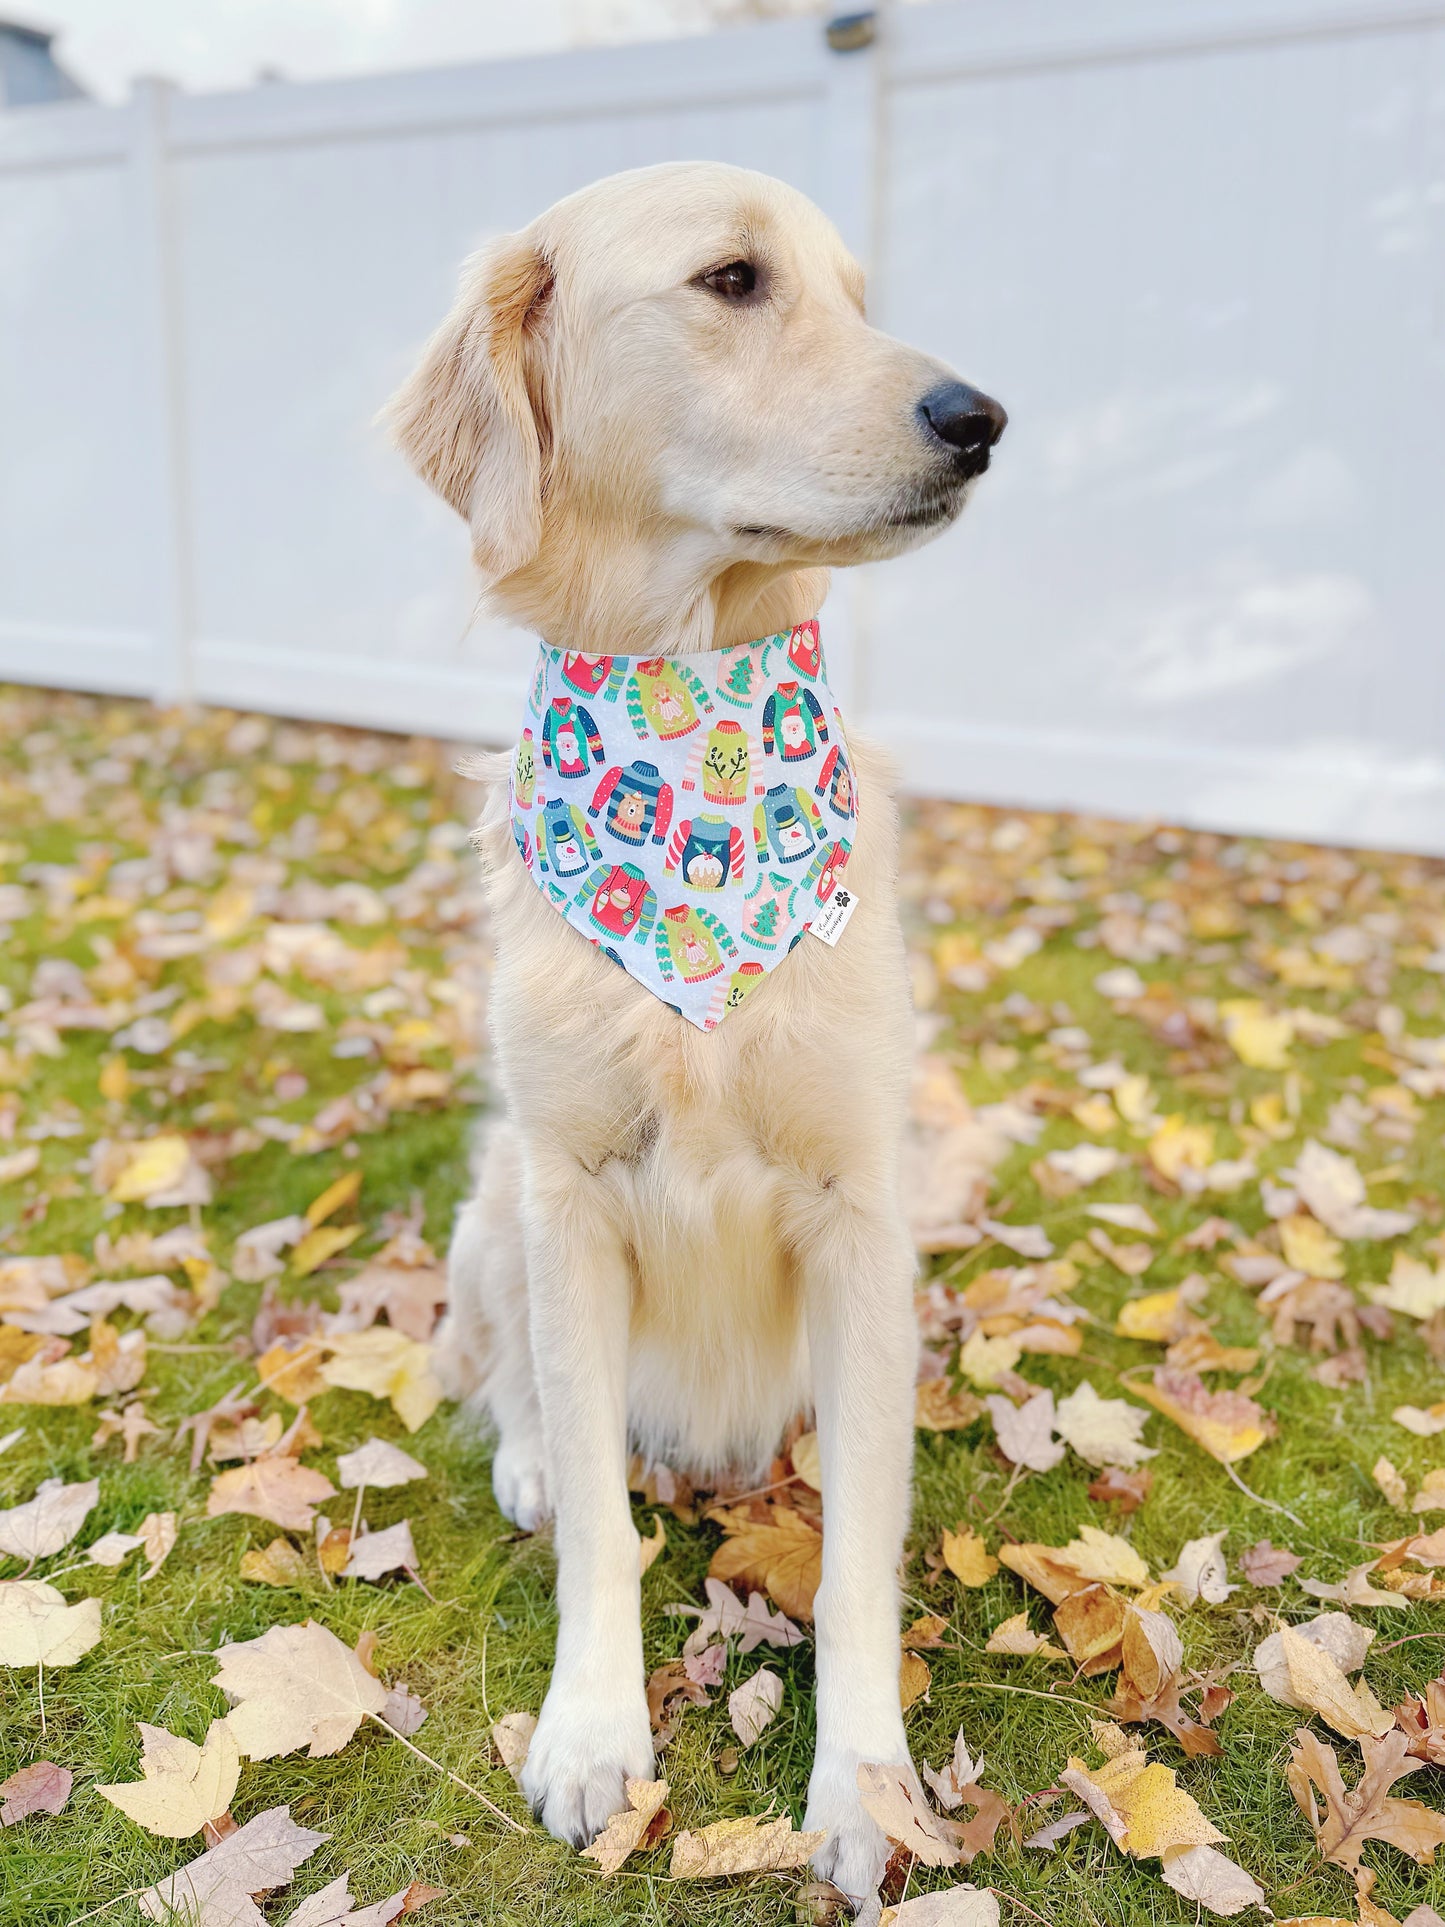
{"points": [[688, 815]]}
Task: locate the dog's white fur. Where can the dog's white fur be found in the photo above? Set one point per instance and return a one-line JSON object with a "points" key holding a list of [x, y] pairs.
{"points": [[682, 1239]]}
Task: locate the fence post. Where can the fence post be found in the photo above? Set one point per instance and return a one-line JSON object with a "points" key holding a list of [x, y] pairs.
{"points": [[160, 461], [850, 188]]}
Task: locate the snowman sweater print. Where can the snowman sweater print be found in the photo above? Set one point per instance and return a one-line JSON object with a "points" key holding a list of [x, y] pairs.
{"points": [[687, 815]]}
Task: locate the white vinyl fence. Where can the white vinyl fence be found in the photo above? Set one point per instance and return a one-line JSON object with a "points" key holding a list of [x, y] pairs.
{"points": [[1197, 247]]}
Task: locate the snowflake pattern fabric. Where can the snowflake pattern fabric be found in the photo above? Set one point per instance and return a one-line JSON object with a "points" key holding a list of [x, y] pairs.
{"points": [[687, 815]]}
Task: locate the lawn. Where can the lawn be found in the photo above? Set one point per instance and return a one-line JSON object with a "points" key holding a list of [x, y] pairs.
{"points": [[264, 939]]}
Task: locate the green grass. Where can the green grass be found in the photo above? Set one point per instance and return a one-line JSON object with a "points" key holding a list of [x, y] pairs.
{"points": [[480, 1646]]}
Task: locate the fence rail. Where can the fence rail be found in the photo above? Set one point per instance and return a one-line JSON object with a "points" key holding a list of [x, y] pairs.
{"points": [[1199, 251]]}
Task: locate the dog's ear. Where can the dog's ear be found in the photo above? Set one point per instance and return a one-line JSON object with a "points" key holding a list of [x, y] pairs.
{"points": [[470, 420]]}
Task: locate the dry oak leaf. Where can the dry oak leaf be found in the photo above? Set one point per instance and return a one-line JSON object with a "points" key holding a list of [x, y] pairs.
{"points": [[751, 1845], [892, 1796], [215, 1890], [42, 1788], [1229, 1425], [1014, 1638], [1141, 1804], [183, 1786], [782, 1555], [967, 1557], [378, 1463], [963, 1906], [389, 1365], [49, 1521], [280, 1490], [296, 1686], [1343, 1819], [37, 1628], [625, 1832], [1423, 1721]]}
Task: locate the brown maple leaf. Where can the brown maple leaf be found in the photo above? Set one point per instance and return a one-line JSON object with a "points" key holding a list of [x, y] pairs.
{"points": [[1267, 1565], [781, 1554], [1350, 1817]]}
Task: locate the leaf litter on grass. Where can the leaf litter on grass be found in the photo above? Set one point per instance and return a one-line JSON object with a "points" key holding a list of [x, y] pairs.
{"points": [[1174, 1163]]}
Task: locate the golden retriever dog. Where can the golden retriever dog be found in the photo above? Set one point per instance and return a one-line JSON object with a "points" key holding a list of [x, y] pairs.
{"points": [[663, 414]]}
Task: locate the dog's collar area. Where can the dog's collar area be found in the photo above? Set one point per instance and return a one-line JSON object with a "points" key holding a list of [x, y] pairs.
{"points": [[687, 815]]}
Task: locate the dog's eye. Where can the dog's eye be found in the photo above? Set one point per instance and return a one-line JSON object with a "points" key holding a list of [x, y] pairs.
{"points": [[734, 282]]}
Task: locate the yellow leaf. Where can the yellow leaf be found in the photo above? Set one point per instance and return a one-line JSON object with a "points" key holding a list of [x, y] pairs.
{"points": [[1179, 1145], [649, 1548], [1141, 1804], [1258, 1037], [1015, 1638], [293, 1372], [937, 1408], [278, 1564], [1431, 1496], [627, 1831], [281, 1490], [1091, 1624], [158, 1164], [914, 1679], [751, 1845], [1229, 1425], [1316, 1681], [808, 1460], [295, 1686], [1103, 1556], [1154, 1317], [329, 1201], [183, 1786], [1308, 1247], [781, 1556], [389, 1365], [115, 1080], [322, 1243], [967, 1557], [66, 1382], [983, 1361]]}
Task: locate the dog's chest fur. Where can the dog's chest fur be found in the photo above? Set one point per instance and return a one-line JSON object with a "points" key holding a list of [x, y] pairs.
{"points": [[708, 1150]]}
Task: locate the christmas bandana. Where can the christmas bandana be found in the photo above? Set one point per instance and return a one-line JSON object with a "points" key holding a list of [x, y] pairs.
{"points": [[687, 814]]}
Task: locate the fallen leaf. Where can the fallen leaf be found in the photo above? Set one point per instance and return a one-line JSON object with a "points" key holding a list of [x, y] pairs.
{"points": [[183, 1786], [726, 1617], [1025, 1432], [377, 1463], [963, 1906], [42, 1788], [1336, 1634], [937, 1408], [1140, 1803], [1229, 1425], [1014, 1638], [157, 1532], [49, 1521], [892, 1796], [37, 1628], [66, 1382], [404, 1712], [1353, 1590], [983, 1361], [1345, 1819], [1318, 1684], [628, 1830], [967, 1557], [1212, 1879], [1091, 1625], [374, 1554], [1309, 1248], [215, 1890], [156, 1165], [1267, 1565], [914, 1679], [295, 1686], [750, 1845], [389, 1365], [1424, 1422], [1103, 1431], [650, 1546], [280, 1490], [1431, 1495], [512, 1736], [1331, 1185], [1127, 1490], [782, 1555], [278, 1564], [1200, 1571], [753, 1706], [343, 1191], [323, 1241]]}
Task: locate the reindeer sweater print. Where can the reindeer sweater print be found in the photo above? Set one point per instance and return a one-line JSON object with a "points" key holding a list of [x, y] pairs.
{"points": [[688, 815]]}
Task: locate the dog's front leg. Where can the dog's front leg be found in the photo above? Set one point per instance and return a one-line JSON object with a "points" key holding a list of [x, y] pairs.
{"points": [[858, 1267], [593, 1734]]}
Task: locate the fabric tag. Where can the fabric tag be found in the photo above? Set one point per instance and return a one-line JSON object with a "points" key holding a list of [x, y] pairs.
{"points": [[832, 920]]}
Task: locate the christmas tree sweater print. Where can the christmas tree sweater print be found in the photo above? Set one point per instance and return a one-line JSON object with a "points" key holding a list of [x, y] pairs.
{"points": [[687, 815]]}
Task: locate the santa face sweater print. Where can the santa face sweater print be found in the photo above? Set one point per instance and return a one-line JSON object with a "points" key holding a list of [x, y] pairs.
{"points": [[687, 815]]}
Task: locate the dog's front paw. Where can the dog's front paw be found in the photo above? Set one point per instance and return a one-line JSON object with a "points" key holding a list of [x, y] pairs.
{"points": [[585, 1750], [855, 1853], [519, 1482]]}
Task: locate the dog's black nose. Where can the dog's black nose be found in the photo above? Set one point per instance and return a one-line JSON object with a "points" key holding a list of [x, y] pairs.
{"points": [[969, 423]]}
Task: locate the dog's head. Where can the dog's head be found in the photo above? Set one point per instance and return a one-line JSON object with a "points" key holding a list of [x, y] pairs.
{"points": [[679, 356]]}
